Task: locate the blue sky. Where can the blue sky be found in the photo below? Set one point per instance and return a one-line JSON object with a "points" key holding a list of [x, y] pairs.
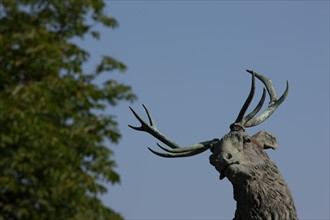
{"points": [[186, 62]]}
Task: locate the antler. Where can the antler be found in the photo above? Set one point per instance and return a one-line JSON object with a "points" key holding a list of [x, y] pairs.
{"points": [[249, 121], [241, 122], [175, 150]]}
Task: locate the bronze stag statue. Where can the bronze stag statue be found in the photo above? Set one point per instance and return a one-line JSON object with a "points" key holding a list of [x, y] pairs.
{"points": [[260, 190]]}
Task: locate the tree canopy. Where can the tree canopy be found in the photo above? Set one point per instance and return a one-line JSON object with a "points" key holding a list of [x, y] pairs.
{"points": [[53, 124]]}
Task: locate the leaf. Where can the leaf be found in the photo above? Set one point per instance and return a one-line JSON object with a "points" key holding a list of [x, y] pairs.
{"points": [[107, 21], [109, 64], [95, 34]]}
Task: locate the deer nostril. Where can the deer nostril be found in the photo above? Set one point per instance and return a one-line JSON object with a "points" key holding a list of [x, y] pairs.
{"points": [[229, 156]]}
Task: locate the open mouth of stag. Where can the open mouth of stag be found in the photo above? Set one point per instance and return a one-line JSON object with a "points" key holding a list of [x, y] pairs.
{"points": [[223, 170]]}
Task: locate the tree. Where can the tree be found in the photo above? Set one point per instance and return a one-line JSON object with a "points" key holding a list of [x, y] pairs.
{"points": [[53, 125]]}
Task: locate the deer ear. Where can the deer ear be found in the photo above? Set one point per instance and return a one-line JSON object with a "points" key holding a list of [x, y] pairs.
{"points": [[265, 140]]}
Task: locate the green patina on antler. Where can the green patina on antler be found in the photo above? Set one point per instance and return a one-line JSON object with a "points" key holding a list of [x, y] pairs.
{"points": [[241, 122], [175, 150], [273, 103]]}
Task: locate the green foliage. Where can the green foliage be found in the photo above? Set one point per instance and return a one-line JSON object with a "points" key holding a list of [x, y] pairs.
{"points": [[53, 127]]}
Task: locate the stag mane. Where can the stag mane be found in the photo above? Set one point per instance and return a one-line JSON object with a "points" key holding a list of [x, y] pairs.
{"points": [[265, 196], [259, 188]]}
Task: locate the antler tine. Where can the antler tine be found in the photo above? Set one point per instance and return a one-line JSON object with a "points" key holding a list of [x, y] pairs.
{"points": [[256, 109], [151, 121], [247, 102], [190, 148], [143, 124], [175, 150], [268, 83], [182, 154], [273, 103], [151, 129]]}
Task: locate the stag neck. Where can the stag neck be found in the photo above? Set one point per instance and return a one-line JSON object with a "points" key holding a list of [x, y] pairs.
{"points": [[266, 198]]}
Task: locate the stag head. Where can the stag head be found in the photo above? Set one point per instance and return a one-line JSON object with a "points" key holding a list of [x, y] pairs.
{"points": [[236, 155]]}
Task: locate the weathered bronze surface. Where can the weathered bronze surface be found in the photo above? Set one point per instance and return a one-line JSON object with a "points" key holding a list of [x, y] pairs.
{"points": [[259, 188]]}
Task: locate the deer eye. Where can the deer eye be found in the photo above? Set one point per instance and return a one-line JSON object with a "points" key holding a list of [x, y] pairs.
{"points": [[247, 139]]}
